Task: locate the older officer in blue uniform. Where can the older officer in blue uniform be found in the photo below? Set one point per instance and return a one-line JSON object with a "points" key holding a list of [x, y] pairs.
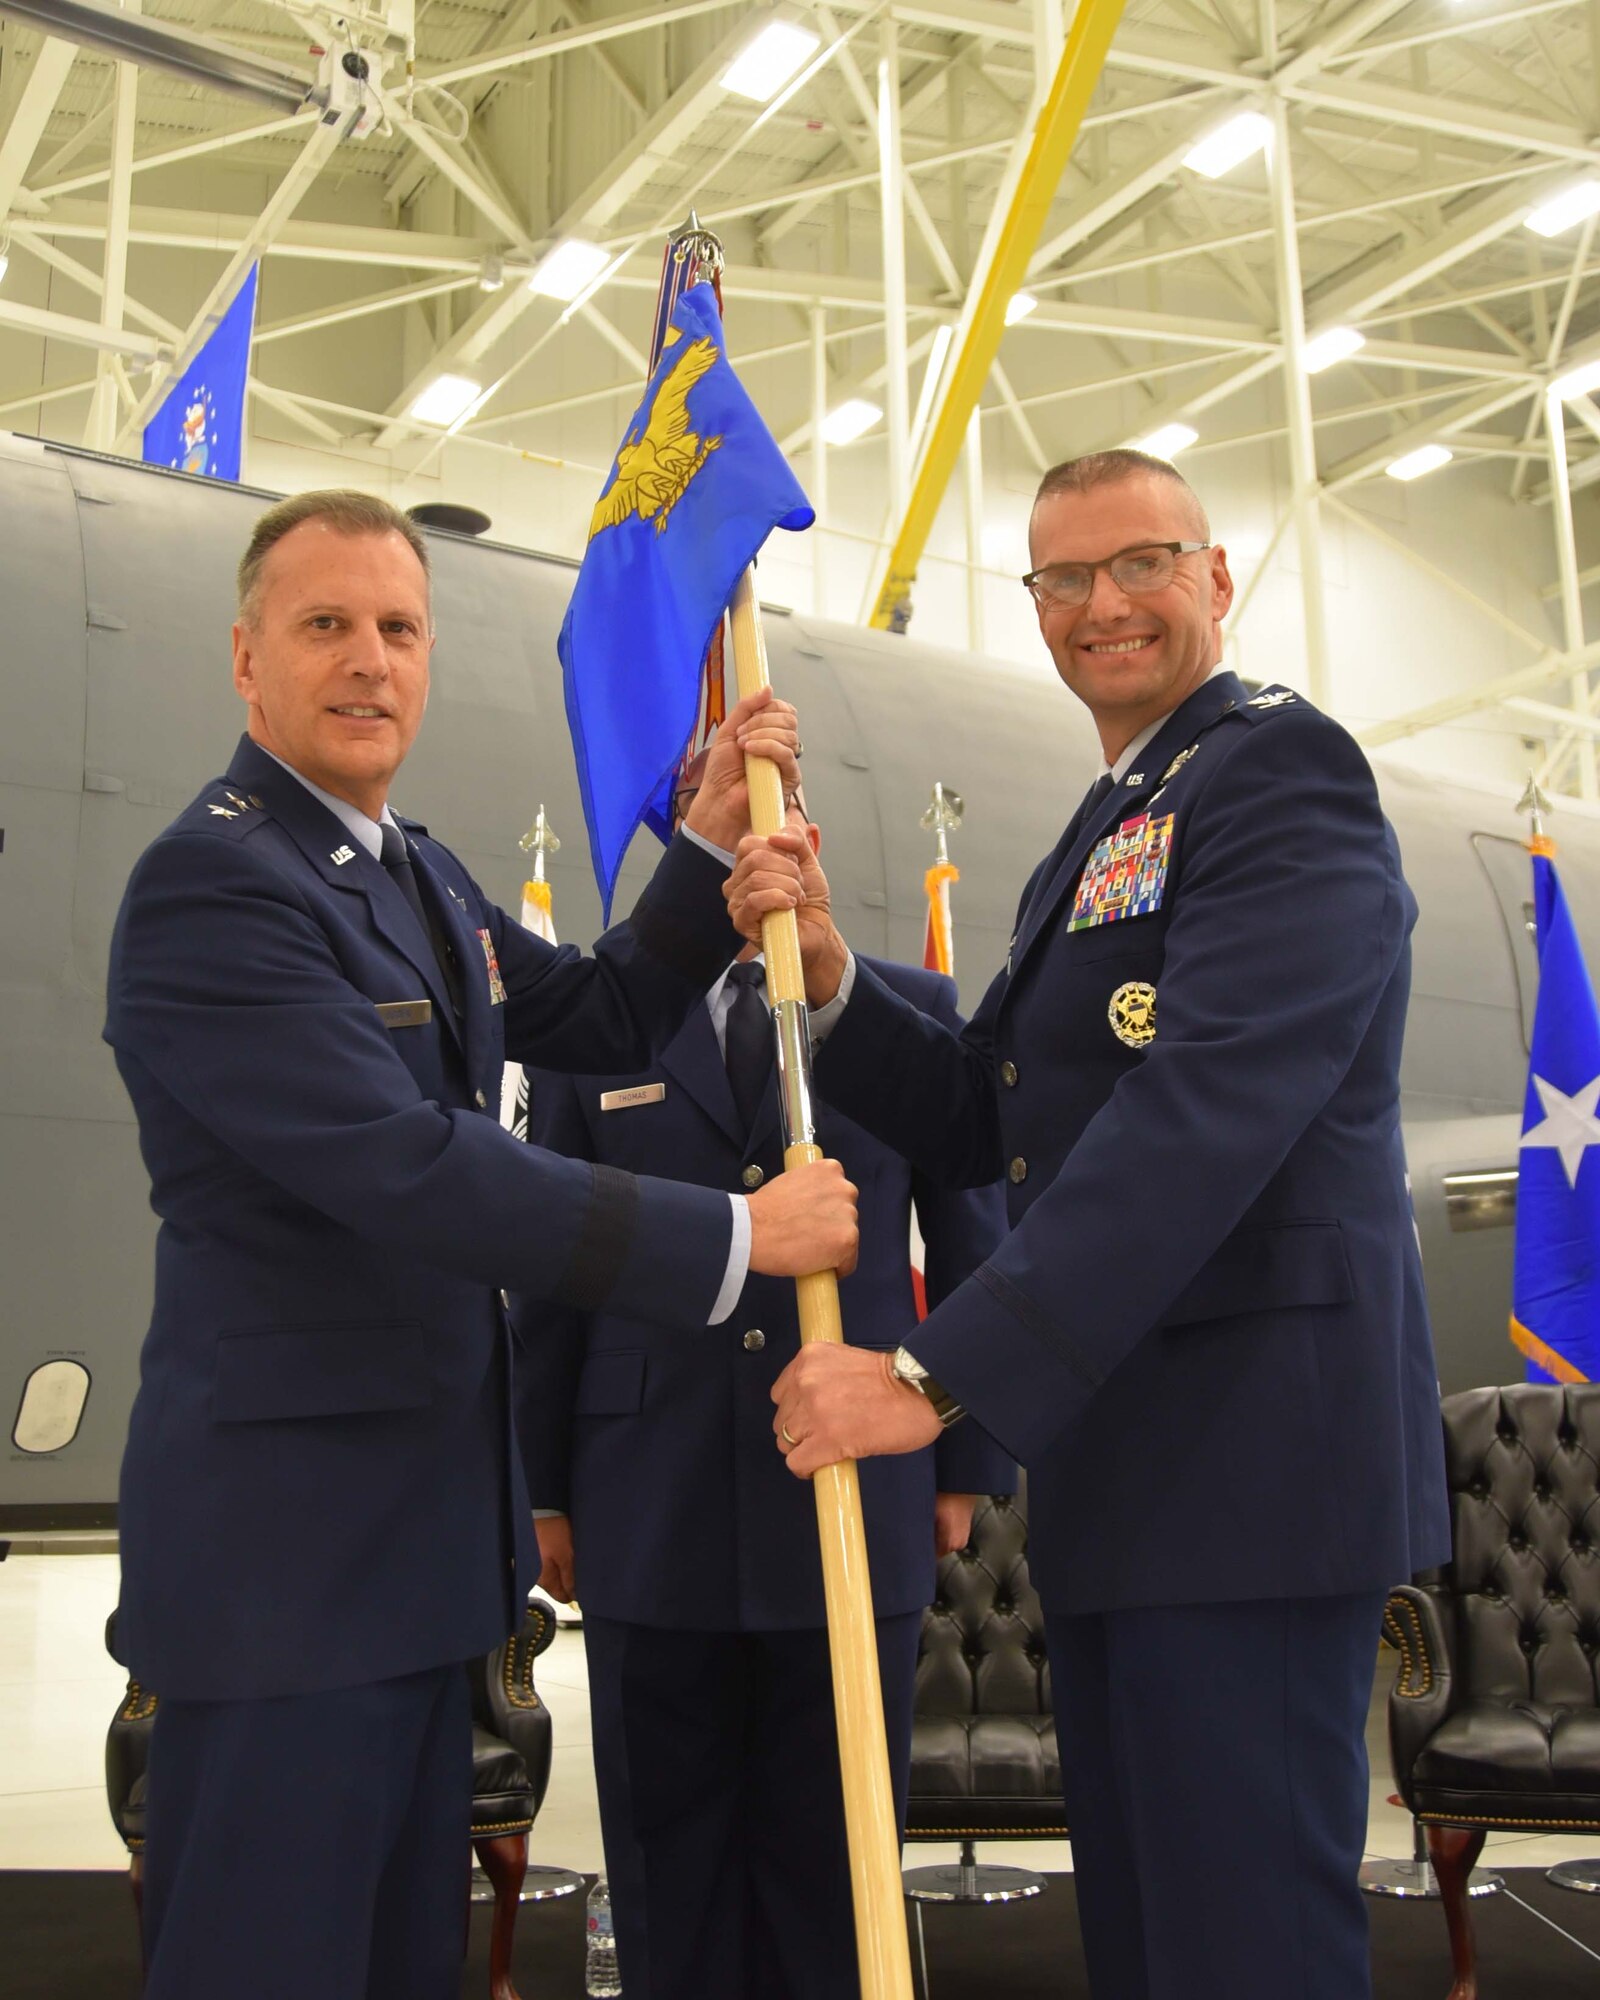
{"points": [[1206, 1333], [650, 1448], [322, 1515]]}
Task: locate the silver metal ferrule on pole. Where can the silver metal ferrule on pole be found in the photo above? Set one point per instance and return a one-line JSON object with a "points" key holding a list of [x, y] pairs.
{"points": [[944, 816], [791, 1026], [1535, 804]]}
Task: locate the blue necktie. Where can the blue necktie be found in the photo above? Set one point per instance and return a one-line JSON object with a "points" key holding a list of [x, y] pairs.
{"points": [[397, 859], [747, 1041]]}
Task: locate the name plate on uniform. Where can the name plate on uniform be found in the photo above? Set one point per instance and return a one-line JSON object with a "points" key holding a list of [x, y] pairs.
{"points": [[625, 1100], [405, 1013]]}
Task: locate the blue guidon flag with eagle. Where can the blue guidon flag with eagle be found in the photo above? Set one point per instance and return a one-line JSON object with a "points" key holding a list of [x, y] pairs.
{"points": [[200, 425], [1555, 1314], [697, 486]]}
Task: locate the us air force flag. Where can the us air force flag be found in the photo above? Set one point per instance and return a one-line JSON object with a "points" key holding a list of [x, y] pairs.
{"points": [[1555, 1317], [200, 426], [697, 487]]}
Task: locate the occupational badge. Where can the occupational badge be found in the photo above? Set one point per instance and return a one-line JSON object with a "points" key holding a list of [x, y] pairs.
{"points": [[1132, 1014], [1126, 875], [497, 989], [1178, 762]]}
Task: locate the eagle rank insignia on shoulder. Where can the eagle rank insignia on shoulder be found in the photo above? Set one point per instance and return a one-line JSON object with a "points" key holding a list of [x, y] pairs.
{"points": [[1132, 1014], [1274, 700], [1126, 875]]}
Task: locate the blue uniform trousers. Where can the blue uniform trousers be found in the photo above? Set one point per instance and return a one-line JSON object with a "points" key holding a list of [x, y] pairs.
{"points": [[315, 1845], [717, 1764], [1214, 1763]]}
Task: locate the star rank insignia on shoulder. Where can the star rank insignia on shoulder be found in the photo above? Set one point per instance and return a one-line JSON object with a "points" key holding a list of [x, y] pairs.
{"points": [[1275, 699], [224, 812]]}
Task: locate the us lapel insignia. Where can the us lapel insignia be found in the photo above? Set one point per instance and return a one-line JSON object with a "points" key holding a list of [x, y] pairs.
{"points": [[341, 855], [1134, 780], [1132, 1014], [497, 991], [1178, 762], [1274, 700], [1126, 875]]}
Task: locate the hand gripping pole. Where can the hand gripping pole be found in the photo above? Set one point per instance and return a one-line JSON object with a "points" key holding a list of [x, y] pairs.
{"points": [[881, 1944]]}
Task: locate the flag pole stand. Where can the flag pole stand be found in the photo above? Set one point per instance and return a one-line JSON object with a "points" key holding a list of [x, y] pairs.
{"points": [[882, 1947]]}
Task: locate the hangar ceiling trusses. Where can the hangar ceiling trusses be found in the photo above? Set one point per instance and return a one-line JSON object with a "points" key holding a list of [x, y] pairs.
{"points": [[1413, 138]]}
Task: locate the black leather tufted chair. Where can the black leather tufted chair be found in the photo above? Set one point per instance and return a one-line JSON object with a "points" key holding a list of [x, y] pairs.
{"points": [[983, 1742], [511, 1745], [1494, 1722]]}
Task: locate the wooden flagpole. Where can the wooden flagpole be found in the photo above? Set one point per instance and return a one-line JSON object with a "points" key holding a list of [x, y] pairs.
{"points": [[881, 1944]]}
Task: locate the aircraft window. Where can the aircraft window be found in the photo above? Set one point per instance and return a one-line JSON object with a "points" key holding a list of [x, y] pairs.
{"points": [[53, 1399], [1510, 874]]}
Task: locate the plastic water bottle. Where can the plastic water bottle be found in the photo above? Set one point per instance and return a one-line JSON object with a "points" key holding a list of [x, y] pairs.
{"points": [[600, 1976]]}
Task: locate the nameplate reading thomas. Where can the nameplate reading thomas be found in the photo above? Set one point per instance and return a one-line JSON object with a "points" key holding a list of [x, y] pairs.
{"points": [[625, 1100]]}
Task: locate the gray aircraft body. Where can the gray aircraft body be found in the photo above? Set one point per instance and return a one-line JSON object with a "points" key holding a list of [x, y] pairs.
{"points": [[116, 583]]}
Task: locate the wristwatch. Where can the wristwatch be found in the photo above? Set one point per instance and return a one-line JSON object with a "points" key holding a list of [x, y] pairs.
{"points": [[905, 1367]]}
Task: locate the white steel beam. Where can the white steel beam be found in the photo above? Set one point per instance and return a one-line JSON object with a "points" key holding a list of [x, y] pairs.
{"points": [[23, 238], [892, 212], [171, 156], [375, 302], [1420, 112], [1469, 228], [1297, 402], [1488, 401], [1555, 423], [261, 231], [514, 55], [1550, 666], [48, 73], [79, 332], [105, 406]]}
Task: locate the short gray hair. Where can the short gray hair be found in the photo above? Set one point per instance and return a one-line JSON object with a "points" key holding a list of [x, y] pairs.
{"points": [[346, 512], [1110, 468]]}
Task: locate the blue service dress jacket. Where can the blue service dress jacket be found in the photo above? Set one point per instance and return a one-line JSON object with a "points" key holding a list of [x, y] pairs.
{"points": [[654, 1431], [320, 1487], [1205, 1335]]}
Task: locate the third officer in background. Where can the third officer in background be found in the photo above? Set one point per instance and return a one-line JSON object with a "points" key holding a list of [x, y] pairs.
{"points": [[650, 1449]]}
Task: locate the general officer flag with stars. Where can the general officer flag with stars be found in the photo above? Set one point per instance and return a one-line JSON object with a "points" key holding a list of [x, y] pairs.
{"points": [[697, 486], [1555, 1318], [200, 425]]}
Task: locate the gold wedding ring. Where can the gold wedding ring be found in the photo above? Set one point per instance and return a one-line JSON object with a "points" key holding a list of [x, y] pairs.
{"points": [[786, 1437]]}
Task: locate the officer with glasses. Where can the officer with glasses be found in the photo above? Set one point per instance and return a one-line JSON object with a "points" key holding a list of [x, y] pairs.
{"points": [[1205, 1335]]}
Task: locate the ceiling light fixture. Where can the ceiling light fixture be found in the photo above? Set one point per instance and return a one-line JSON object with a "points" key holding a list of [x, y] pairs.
{"points": [[1565, 210], [1426, 458], [1229, 146], [851, 420], [1168, 441], [1577, 383], [446, 398], [565, 270], [761, 70], [1018, 306], [1337, 344]]}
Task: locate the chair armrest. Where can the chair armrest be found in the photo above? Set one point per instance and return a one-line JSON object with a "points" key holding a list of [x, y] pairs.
{"points": [[515, 1712], [1423, 1693]]}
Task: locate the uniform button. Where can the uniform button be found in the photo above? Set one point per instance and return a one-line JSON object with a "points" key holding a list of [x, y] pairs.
{"points": [[752, 1176], [1008, 1075], [1018, 1170], [482, 1101], [754, 1341], [255, 801]]}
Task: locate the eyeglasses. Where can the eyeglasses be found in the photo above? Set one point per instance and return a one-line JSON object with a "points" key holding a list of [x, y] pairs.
{"points": [[1147, 567], [685, 796]]}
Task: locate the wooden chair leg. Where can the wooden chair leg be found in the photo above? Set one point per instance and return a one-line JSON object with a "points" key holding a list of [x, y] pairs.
{"points": [[504, 1859], [1454, 1851]]}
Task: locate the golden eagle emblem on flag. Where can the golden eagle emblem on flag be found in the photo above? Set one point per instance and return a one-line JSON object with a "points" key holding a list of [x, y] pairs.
{"points": [[655, 466]]}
